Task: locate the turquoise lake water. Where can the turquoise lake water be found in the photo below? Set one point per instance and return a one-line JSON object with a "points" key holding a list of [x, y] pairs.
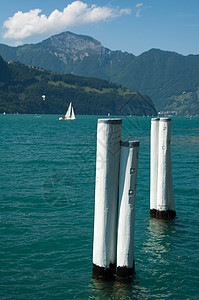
{"points": [[47, 179]]}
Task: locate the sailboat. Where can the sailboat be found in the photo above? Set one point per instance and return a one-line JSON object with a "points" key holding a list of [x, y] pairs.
{"points": [[70, 115]]}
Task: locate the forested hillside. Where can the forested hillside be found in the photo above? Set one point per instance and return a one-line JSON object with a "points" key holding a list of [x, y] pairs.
{"points": [[22, 87]]}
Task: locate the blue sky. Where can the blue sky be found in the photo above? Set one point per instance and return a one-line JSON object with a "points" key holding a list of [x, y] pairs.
{"points": [[128, 25]]}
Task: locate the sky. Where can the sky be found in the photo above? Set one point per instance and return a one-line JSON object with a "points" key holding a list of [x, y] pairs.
{"points": [[127, 25]]}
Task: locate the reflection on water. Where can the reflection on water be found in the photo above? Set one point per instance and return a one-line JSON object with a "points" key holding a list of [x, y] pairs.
{"points": [[100, 289], [114, 290], [157, 261], [159, 242]]}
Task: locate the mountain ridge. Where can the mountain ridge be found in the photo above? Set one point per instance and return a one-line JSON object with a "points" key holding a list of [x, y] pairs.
{"points": [[163, 75]]}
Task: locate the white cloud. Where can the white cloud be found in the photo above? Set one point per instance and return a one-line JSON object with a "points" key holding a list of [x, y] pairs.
{"points": [[23, 25], [139, 7]]}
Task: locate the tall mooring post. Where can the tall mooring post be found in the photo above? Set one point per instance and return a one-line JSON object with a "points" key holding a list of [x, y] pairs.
{"points": [[126, 209], [154, 164], [161, 186], [106, 198]]}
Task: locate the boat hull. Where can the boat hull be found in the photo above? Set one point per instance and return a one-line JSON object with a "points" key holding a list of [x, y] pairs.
{"points": [[63, 118]]}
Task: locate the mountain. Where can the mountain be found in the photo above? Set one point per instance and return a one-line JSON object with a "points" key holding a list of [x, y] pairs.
{"points": [[162, 75], [170, 79], [70, 53], [22, 87]]}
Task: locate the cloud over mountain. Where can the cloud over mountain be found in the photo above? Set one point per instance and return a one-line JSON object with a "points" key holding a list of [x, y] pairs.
{"points": [[23, 25]]}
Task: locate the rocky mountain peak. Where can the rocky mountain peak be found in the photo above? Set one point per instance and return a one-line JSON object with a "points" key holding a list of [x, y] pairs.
{"points": [[73, 45]]}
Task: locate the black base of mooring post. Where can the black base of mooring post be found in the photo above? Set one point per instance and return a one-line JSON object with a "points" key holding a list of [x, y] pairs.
{"points": [[125, 274], [104, 273], [169, 214]]}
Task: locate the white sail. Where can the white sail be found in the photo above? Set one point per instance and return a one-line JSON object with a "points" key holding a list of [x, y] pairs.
{"points": [[73, 114], [68, 113]]}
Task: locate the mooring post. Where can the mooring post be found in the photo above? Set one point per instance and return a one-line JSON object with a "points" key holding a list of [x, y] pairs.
{"points": [[164, 184], [163, 167], [126, 209], [161, 184], [154, 165], [106, 198], [171, 202]]}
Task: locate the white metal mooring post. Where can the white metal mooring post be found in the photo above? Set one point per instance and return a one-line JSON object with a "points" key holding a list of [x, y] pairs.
{"points": [[166, 185], [106, 198], [154, 165], [126, 209], [163, 166], [161, 170], [171, 202]]}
